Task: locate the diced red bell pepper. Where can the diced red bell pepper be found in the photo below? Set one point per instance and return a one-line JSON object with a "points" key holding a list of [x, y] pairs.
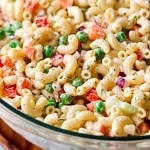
{"points": [[139, 55], [65, 3], [104, 130], [92, 95], [6, 61], [22, 84], [31, 5], [1, 64], [96, 32], [8, 72], [10, 91], [100, 127], [30, 52], [144, 127], [42, 21]]}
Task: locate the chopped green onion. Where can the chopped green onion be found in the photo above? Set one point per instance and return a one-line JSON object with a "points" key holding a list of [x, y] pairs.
{"points": [[76, 82], [65, 98], [99, 106], [82, 37], [99, 53], [51, 102], [120, 36], [134, 19], [46, 70], [63, 40], [49, 88], [48, 51], [83, 10], [2, 34]]}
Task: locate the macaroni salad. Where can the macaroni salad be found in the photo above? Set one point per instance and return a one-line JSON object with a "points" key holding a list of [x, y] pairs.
{"points": [[80, 65]]}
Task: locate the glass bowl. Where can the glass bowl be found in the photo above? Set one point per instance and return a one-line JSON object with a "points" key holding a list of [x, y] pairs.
{"points": [[52, 138]]}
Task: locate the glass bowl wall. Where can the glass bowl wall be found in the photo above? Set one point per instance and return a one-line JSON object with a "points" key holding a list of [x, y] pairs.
{"points": [[52, 138]]}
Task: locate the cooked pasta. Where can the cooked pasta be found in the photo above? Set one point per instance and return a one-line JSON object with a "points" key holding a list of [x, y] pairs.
{"points": [[81, 65]]}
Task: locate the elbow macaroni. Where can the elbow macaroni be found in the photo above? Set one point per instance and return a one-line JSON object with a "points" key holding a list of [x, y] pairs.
{"points": [[76, 13], [71, 47], [13, 9], [82, 67]]}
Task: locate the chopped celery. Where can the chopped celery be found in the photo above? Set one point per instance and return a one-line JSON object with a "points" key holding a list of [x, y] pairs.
{"points": [[113, 100], [127, 108], [123, 106]]}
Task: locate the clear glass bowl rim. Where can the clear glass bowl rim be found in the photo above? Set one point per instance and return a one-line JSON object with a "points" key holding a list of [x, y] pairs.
{"points": [[67, 132]]}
